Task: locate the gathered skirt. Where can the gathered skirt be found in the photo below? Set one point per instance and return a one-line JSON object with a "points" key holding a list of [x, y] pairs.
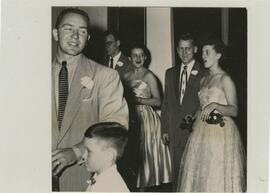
{"points": [[155, 166], [214, 159]]}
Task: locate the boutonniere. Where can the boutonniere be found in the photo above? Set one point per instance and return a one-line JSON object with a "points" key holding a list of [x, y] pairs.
{"points": [[120, 63], [87, 82], [194, 72], [187, 122]]}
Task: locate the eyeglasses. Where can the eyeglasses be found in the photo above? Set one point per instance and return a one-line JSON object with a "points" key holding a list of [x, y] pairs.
{"points": [[108, 43]]}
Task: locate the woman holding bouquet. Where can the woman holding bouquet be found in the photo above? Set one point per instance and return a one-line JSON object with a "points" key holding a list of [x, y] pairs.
{"points": [[214, 159], [155, 163]]}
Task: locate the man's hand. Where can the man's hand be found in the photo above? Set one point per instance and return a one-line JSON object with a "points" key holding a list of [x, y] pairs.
{"points": [[165, 139], [62, 158]]}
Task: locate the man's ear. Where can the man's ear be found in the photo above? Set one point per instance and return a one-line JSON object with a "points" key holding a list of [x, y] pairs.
{"points": [[177, 49], [88, 37], [55, 34], [195, 49], [118, 43], [219, 55]]}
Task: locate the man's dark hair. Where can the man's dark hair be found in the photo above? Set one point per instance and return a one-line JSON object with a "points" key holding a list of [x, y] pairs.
{"points": [[188, 36], [114, 134], [114, 33], [73, 10]]}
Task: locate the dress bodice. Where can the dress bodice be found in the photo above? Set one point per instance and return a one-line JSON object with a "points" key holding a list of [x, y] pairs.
{"points": [[213, 94], [141, 89]]}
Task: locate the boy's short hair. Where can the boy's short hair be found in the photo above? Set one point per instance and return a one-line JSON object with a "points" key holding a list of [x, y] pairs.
{"points": [[112, 133]]}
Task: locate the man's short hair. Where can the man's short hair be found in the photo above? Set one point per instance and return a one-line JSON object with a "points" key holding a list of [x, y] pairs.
{"points": [[112, 133], [188, 36], [114, 33], [73, 10]]}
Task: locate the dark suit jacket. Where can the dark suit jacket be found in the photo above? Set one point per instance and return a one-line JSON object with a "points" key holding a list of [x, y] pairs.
{"points": [[172, 113]]}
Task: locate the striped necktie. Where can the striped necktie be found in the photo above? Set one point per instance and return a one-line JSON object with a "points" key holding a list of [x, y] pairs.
{"points": [[183, 83], [63, 92]]}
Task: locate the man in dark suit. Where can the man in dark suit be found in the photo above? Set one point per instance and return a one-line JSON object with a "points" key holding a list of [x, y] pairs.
{"points": [[182, 83], [115, 59]]}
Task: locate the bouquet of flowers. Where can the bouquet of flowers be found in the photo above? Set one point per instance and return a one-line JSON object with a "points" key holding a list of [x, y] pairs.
{"points": [[215, 118]]}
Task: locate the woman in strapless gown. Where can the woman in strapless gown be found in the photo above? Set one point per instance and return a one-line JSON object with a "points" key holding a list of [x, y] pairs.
{"points": [[214, 158], [155, 166]]}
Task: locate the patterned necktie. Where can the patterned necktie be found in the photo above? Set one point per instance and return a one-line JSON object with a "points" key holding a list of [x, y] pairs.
{"points": [[111, 62], [63, 92], [183, 83]]}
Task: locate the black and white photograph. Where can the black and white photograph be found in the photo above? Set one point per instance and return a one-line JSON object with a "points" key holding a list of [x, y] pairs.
{"points": [[111, 71], [130, 97]]}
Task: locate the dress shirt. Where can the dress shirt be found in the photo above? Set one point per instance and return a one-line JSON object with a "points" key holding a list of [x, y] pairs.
{"points": [[115, 59], [108, 181], [189, 68]]}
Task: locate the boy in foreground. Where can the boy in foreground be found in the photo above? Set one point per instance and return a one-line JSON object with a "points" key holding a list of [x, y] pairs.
{"points": [[105, 143]]}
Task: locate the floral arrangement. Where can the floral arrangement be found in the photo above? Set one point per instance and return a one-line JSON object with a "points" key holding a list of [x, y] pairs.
{"points": [[215, 118]]}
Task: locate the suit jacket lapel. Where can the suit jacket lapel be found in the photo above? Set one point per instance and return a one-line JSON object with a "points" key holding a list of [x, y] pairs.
{"points": [[74, 99], [121, 59], [176, 81], [192, 78], [55, 130]]}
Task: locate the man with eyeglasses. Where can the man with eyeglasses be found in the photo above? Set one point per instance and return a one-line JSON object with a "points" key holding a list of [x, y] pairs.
{"points": [[115, 59]]}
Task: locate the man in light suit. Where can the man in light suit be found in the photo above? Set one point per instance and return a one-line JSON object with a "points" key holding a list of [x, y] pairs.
{"points": [[180, 99], [83, 93]]}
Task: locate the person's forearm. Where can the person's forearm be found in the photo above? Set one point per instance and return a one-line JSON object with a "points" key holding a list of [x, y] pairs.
{"points": [[227, 110]]}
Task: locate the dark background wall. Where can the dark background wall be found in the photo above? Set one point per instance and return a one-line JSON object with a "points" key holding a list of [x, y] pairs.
{"points": [[130, 22]]}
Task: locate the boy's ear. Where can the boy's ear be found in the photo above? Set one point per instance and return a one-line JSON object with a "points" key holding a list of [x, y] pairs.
{"points": [[112, 154]]}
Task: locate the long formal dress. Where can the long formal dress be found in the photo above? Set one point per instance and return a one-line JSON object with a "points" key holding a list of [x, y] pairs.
{"points": [[214, 158], [155, 166]]}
